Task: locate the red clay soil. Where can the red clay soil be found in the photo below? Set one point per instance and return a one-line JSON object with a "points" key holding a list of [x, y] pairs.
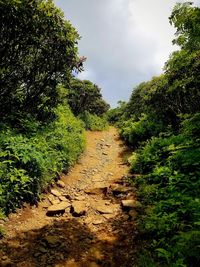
{"points": [[81, 222]]}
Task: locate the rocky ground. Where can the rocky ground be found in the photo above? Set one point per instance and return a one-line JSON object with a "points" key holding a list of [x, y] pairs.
{"points": [[87, 218]]}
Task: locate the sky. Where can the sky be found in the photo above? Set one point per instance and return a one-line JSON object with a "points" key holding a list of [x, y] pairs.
{"points": [[126, 42]]}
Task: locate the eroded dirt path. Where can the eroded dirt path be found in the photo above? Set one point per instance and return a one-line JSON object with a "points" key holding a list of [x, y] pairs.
{"points": [[82, 221]]}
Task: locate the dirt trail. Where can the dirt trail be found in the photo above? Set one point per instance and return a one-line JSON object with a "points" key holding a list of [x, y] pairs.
{"points": [[82, 221]]}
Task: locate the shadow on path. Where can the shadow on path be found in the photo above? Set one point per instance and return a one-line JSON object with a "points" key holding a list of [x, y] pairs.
{"points": [[67, 242]]}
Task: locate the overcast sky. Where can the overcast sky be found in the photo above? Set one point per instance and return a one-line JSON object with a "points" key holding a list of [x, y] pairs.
{"points": [[125, 41]]}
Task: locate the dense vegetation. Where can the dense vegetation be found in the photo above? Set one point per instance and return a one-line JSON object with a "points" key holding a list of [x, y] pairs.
{"points": [[29, 161], [86, 102], [84, 96], [41, 131], [162, 122], [44, 111]]}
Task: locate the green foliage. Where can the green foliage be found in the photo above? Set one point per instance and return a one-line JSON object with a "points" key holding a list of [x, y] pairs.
{"points": [[145, 260], [93, 122], [84, 96], [135, 132], [38, 50], [114, 115], [28, 163], [39, 135], [162, 120], [169, 186], [182, 72], [185, 18]]}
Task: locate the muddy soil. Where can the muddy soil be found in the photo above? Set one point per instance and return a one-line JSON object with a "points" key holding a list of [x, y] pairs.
{"points": [[85, 220]]}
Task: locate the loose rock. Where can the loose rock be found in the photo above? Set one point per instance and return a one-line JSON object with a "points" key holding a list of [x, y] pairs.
{"points": [[96, 190], [80, 198], [78, 208], [131, 203], [97, 221], [58, 208], [60, 184], [118, 189], [55, 192], [103, 207]]}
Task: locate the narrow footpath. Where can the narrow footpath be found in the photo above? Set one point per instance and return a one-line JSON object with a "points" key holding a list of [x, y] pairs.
{"points": [[87, 219]]}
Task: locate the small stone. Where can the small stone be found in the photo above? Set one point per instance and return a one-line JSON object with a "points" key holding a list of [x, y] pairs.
{"points": [[44, 205], [55, 192], [97, 221], [60, 184], [104, 209], [108, 145], [80, 198], [104, 153], [118, 189], [89, 220], [51, 198], [4, 258], [62, 198], [102, 140], [78, 208], [108, 216], [96, 190], [101, 207], [66, 196], [55, 201], [131, 203], [58, 208]]}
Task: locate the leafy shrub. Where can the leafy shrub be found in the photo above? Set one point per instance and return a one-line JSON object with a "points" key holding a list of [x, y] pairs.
{"points": [[135, 132], [93, 122], [169, 187], [115, 115], [28, 163]]}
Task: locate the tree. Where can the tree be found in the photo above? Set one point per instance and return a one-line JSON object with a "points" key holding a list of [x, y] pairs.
{"points": [[186, 20], [38, 50], [85, 96]]}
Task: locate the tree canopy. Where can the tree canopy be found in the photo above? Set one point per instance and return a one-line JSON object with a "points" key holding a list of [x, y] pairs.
{"points": [[38, 49], [85, 96]]}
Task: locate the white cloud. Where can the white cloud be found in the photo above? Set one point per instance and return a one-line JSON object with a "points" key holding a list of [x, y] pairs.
{"points": [[125, 41]]}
